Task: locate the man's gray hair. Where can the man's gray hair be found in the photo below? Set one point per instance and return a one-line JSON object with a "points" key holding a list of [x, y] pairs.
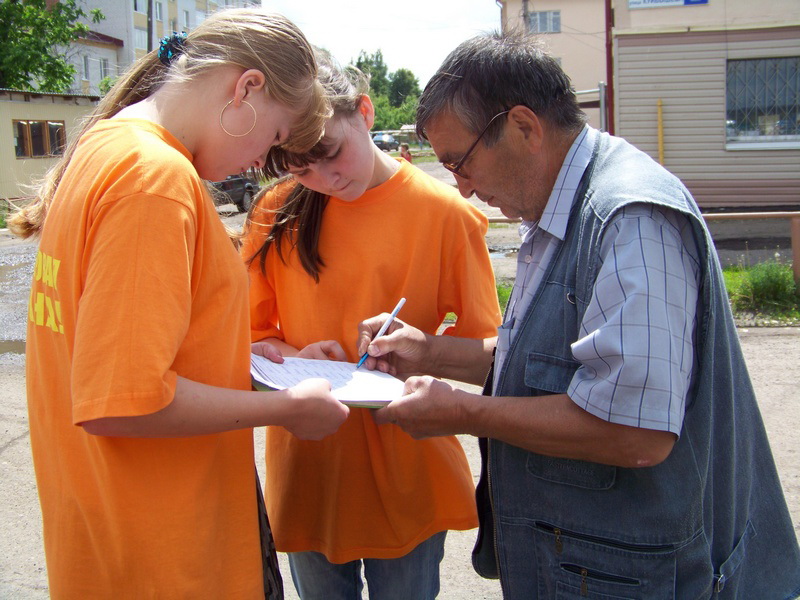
{"points": [[494, 72]]}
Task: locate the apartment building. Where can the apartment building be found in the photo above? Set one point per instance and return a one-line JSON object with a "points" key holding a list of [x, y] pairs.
{"points": [[129, 31]]}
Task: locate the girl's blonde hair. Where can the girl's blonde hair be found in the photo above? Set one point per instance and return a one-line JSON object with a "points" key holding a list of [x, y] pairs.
{"points": [[248, 38], [299, 218]]}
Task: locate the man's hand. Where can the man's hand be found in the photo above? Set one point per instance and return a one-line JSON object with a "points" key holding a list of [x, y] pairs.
{"points": [[324, 350], [403, 349], [429, 407], [312, 412]]}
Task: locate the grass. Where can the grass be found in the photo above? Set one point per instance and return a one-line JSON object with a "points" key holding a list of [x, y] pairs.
{"points": [[763, 293]]}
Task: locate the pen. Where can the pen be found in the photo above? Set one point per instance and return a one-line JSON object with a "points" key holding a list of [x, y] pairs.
{"points": [[383, 328]]}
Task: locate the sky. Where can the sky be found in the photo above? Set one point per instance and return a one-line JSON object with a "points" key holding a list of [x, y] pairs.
{"points": [[411, 34]]}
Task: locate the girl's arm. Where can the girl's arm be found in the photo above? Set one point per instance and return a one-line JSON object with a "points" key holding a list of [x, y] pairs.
{"points": [[307, 410]]}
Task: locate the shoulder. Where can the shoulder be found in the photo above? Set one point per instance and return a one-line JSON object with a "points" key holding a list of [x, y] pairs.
{"points": [[140, 158]]}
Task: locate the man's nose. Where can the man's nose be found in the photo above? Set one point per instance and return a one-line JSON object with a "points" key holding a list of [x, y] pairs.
{"points": [[465, 188]]}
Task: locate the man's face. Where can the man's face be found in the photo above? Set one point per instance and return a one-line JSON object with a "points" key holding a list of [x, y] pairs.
{"points": [[504, 175]]}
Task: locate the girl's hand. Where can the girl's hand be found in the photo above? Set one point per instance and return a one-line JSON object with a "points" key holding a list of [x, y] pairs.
{"points": [[268, 351], [312, 412], [324, 350]]}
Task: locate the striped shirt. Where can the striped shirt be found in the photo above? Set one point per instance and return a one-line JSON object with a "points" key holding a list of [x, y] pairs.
{"points": [[635, 343]]}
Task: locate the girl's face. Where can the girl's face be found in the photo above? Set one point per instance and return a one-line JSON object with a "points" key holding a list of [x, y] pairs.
{"points": [[349, 168]]}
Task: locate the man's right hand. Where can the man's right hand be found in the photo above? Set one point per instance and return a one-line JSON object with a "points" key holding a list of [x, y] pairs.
{"points": [[311, 411], [403, 349]]}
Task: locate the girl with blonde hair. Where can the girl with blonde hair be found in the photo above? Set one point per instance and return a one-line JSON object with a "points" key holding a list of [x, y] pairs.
{"points": [[138, 346]]}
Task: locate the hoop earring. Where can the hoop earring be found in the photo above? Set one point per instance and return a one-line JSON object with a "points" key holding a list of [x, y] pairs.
{"points": [[255, 119]]}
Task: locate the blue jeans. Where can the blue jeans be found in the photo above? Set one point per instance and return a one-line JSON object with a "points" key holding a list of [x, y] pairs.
{"points": [[415, 575]]}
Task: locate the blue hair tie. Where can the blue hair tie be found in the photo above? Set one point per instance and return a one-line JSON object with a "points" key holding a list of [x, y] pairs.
{"points": [[171, 47]]}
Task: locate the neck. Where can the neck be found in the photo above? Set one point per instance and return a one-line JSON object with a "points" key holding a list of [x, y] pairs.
{"points": [[385, 167]]}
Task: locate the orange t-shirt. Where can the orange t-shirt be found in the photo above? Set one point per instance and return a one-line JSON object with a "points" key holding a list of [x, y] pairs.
{"points": [[370, 491], [136, 282]]}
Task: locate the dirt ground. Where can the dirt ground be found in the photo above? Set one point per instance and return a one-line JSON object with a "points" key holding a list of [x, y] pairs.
{"points": [[772, 354]]}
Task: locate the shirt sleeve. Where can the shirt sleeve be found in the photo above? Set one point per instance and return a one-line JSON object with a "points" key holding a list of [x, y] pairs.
{"points": [[263, 300], [134, 308], [636, 344], [468, 289]]}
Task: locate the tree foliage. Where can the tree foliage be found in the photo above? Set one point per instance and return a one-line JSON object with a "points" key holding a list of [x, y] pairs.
{"points": [[34, 36], [394, 95], [402, 85], [373, 65]]}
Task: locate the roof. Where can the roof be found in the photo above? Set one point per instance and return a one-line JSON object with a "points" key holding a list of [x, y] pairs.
{"points": [[38, 93]]}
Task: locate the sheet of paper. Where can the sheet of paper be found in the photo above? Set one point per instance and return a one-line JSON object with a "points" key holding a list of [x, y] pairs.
{"points": [[354, 387]]}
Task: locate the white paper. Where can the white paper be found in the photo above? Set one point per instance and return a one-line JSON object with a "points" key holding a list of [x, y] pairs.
{"points": [[354, 387]]}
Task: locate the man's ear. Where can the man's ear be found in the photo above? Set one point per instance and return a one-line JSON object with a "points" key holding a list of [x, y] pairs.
{"points": [[528, 127], [252, 80], [367, 110]]}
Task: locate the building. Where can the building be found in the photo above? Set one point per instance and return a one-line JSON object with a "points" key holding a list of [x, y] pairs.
{"points": [[709, 88], [128, 32], [35, 127], [712, 90], [574, 32]]}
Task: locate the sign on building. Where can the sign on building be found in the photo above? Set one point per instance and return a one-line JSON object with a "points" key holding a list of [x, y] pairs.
{"points": [[661, 3]]}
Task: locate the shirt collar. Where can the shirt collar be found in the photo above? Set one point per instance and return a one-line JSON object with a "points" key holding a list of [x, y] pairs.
{"points": [[555, 217]]}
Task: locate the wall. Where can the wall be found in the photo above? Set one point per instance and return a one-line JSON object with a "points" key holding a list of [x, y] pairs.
{"points": [[15, 172], [687, 72]]}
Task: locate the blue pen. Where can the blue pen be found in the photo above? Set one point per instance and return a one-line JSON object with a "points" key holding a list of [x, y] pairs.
{"points": [[384, 327]]}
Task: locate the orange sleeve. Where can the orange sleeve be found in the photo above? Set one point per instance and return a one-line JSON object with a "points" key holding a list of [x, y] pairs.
{"points": [[467, 287], [134, 311], [263, 302]]}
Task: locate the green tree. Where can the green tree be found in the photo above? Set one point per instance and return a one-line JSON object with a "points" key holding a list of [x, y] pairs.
{"points": [[402, 85], [373, 65], [34, 36], [106, 83]]}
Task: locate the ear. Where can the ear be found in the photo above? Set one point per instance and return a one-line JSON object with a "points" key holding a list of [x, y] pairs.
{"points": [[367, 110], [249, 82], [528, 127]]}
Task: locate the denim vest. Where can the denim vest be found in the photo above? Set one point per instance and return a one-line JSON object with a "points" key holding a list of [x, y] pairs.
{"points": [[709, 521]]}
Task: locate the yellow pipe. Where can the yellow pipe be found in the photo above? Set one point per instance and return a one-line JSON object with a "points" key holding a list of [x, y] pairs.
{"points": [[660, 132]]}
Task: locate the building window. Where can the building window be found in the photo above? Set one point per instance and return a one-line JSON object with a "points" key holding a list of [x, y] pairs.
{"points": [[38, 139], [173, 24], [548, 21], [86, 67], [140, 38], [105, 69], [186, 20], [140, 6], [159, 11], [763, 102]]}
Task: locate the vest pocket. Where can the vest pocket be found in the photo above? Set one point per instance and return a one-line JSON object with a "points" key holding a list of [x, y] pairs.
{"points": [[548, 373], [571, 564]]}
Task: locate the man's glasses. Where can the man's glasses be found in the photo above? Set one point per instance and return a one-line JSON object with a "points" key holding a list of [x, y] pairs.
{"points": [[456, 167]]}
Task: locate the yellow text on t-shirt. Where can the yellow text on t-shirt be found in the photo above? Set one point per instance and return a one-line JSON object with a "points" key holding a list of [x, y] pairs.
{"points": [[43, 309]]}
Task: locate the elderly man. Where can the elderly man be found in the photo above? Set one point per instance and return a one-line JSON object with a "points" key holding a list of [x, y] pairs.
{"points": [[623, 451]]}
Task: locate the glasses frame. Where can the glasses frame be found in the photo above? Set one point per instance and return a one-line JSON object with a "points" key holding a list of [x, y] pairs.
{"points": [[455, 168]]}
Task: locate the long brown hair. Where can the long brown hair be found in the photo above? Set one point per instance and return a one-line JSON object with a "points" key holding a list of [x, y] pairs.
{"points": [[248, 38], [299, 218]]}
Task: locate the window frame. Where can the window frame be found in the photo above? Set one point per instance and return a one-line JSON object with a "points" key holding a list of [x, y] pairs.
{"points": [[51, 138], [548, 17], [756, 117]]}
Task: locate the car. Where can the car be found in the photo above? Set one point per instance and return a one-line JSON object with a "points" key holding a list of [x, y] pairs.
{"points": [[236, 189], [385, 141]]}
